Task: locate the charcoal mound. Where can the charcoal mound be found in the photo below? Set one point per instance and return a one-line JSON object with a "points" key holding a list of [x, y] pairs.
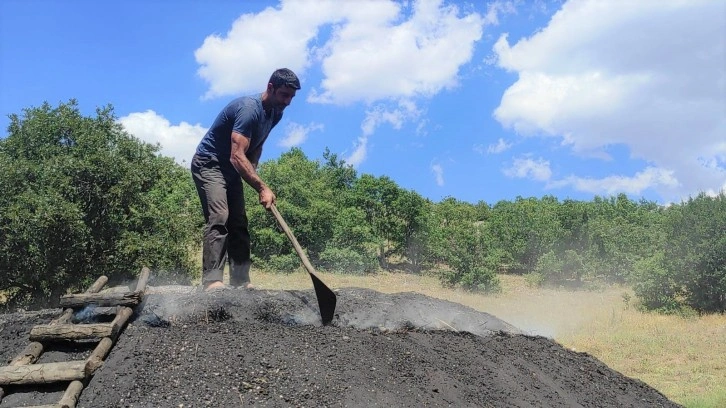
{"points": [[237, 348]]}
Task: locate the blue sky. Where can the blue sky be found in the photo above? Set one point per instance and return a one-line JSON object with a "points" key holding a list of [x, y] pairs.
{"points": [[478, 100]]}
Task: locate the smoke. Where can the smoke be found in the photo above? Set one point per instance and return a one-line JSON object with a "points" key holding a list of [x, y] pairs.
{"points": [[367, 309], [183, 304], [358, 308], [86, 314], [166, 304]]}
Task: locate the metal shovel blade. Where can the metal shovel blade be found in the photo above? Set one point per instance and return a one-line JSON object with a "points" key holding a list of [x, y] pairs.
{"points": [[326, 297]]}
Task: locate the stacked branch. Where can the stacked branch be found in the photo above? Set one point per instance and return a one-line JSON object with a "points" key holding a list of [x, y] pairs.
{"points": [[101, 299], [32, 351], [23, 371]]}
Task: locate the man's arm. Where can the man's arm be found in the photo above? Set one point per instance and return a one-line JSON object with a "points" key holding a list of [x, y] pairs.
{"points": [[247, 170], [255, 157]]}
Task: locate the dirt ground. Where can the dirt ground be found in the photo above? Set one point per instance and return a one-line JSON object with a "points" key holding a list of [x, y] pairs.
{"points": [[267, 348]]}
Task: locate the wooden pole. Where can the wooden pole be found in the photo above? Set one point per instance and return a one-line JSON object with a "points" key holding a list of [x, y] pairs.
{"points": [[101, 299], [33, 350], [68, 313], [143, 279], [95, 360], [60, 332], [326, 297], [43, 373], [70, 397], [120, 320], [29, 355]]}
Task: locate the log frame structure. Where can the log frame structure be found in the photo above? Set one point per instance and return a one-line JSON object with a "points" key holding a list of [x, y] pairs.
{"points": [[23, 370]]}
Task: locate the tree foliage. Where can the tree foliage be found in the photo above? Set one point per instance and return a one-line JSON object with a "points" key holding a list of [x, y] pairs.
{"points": [[83, 198], [690, 269]]}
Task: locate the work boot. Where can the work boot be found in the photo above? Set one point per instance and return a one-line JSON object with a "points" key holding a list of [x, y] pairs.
{"points": [[239, 275]]}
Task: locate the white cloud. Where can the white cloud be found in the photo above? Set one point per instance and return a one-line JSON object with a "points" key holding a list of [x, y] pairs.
{"points": [[377, 50], [242, 60], [375, 117], [405, 110], [495, 148], [525, 167], [649, 178], [495, 8], [716, 192], [177, 141], [296, 134], [539, 170], [438, 171], [499, 147], [360, 152], [395, 55], [645, 74]]}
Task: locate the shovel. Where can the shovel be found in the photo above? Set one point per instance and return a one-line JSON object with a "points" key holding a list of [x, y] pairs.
{"points": [[326, 297]]}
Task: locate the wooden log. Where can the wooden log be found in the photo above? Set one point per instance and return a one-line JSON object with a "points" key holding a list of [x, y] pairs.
{"points": [[98, 284], [95, 288], [64, 318], [123, 315], [70, 397], [101, 299], [100, 311], [29, 355], [143, 279], [32, 351], [101, 314], [95, 360], [43, 373], [61, 332]]}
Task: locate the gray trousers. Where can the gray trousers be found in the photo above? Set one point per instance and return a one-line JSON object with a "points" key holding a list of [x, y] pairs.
{"points": [[226, 232]]}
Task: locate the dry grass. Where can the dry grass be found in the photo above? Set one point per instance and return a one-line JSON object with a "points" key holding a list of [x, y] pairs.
{"points": [[684, 358]]}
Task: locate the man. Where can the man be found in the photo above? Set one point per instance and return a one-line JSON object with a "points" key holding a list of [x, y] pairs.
{"points": [[228, 153]]}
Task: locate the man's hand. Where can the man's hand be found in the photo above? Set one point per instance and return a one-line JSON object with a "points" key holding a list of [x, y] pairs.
{"points": [[267, 197]]}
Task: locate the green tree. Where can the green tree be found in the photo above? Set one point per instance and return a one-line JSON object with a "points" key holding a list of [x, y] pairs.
{"points": [[692, 268], [655, 285], [377, 197], [526, 228], [83, 198], [621, 232], [460, 248]]}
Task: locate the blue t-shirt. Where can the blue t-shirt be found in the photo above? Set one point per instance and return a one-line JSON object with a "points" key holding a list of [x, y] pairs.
{"points": [[245, 116]]}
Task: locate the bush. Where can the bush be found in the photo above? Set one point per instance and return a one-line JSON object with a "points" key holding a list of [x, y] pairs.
{"points": [[655, 286], [690, 271], [534, 279], [480, 279], [567, 269], [348, 260], [282, 263]]}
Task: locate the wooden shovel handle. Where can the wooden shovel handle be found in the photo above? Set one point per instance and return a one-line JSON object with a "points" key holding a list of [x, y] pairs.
{"points": [[293, 240]]}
